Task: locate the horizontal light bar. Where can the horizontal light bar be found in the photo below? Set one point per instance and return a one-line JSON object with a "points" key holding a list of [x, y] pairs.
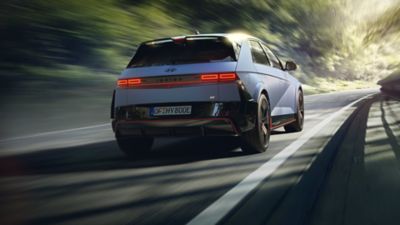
{"points": [[204, 78]]}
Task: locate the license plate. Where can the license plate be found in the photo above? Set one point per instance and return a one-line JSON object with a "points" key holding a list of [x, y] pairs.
{"points": [[171, 110]]}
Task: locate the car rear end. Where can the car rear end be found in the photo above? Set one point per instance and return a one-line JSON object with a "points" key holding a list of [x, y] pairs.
{"points": [[182, 86]]}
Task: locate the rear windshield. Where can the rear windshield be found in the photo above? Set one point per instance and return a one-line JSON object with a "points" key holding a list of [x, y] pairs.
{"points": [[204, 50]]}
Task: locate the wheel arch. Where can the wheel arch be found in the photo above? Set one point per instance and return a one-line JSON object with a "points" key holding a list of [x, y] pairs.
{"points": [[259, 91], [112, 108], [299, 88], [264, 92]]}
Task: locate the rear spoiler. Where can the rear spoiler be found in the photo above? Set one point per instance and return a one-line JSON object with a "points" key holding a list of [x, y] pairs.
{"points": [[163, 40]]}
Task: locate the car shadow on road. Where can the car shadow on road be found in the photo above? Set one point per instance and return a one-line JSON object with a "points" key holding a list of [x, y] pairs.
{"points": [[107, 156], [300, 196], [361, 158]]}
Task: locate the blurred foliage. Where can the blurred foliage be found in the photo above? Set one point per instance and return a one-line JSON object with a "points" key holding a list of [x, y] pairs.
{"points": [[59, 58], [332, 38]]}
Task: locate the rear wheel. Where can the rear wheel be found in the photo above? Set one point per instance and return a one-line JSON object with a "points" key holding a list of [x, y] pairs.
{"points": [[257, 139], [297, 125], [135, 146]]}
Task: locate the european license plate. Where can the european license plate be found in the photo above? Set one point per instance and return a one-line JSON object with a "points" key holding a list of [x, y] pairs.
{"points": [[171, 110]]}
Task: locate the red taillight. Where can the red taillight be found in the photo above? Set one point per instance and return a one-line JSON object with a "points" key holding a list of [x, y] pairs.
{"points": [[134, 81], [227, 76], [219, 77], [125, 83], [209, 77]]}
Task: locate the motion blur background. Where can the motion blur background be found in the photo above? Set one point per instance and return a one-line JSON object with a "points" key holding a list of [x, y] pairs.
{"points": [[59, 60]]}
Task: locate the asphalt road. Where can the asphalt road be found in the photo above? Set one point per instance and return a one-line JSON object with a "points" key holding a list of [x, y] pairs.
{"points": [[78, 176]]}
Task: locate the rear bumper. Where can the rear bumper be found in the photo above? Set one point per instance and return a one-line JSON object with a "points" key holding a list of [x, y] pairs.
{"points": [[207, 119], [177, 127]]}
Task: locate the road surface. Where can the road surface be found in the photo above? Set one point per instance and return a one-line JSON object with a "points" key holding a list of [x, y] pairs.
{"points": [[342, 169]]}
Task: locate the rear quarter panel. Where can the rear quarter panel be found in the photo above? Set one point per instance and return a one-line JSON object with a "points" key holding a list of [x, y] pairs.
{"points": [[257, 78]]}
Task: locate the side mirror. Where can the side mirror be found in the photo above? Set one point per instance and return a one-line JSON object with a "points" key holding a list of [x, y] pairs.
{"points": [[290, 65]]}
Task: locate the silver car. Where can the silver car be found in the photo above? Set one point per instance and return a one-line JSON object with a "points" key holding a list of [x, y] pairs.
{"points": [[205, 85]]}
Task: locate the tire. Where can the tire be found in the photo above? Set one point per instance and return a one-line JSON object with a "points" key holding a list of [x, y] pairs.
{"points": [[257, 139], [135, 146], [297, 125]]}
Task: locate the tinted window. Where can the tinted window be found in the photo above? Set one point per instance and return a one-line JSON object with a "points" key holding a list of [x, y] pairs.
{"points": [[275, 61], [258, 53], [204, 50]]}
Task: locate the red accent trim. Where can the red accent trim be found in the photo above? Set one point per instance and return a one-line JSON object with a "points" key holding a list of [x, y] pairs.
{"points": [[270, 122], [283, 124]]}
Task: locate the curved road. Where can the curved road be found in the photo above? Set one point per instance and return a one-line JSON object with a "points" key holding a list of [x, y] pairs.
{"points": [[78, 176]]}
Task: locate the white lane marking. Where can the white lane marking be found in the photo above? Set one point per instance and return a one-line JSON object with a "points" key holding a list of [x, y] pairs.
{"points": [[55, 132], [312, 116], [220, 208], [375, 89]]}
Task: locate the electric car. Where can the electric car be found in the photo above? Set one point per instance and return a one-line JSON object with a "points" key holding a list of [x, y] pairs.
{"points": [[205, 85]]}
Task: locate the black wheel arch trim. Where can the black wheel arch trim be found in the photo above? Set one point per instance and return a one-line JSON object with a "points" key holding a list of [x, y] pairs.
{"points": [[112, 110]]}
